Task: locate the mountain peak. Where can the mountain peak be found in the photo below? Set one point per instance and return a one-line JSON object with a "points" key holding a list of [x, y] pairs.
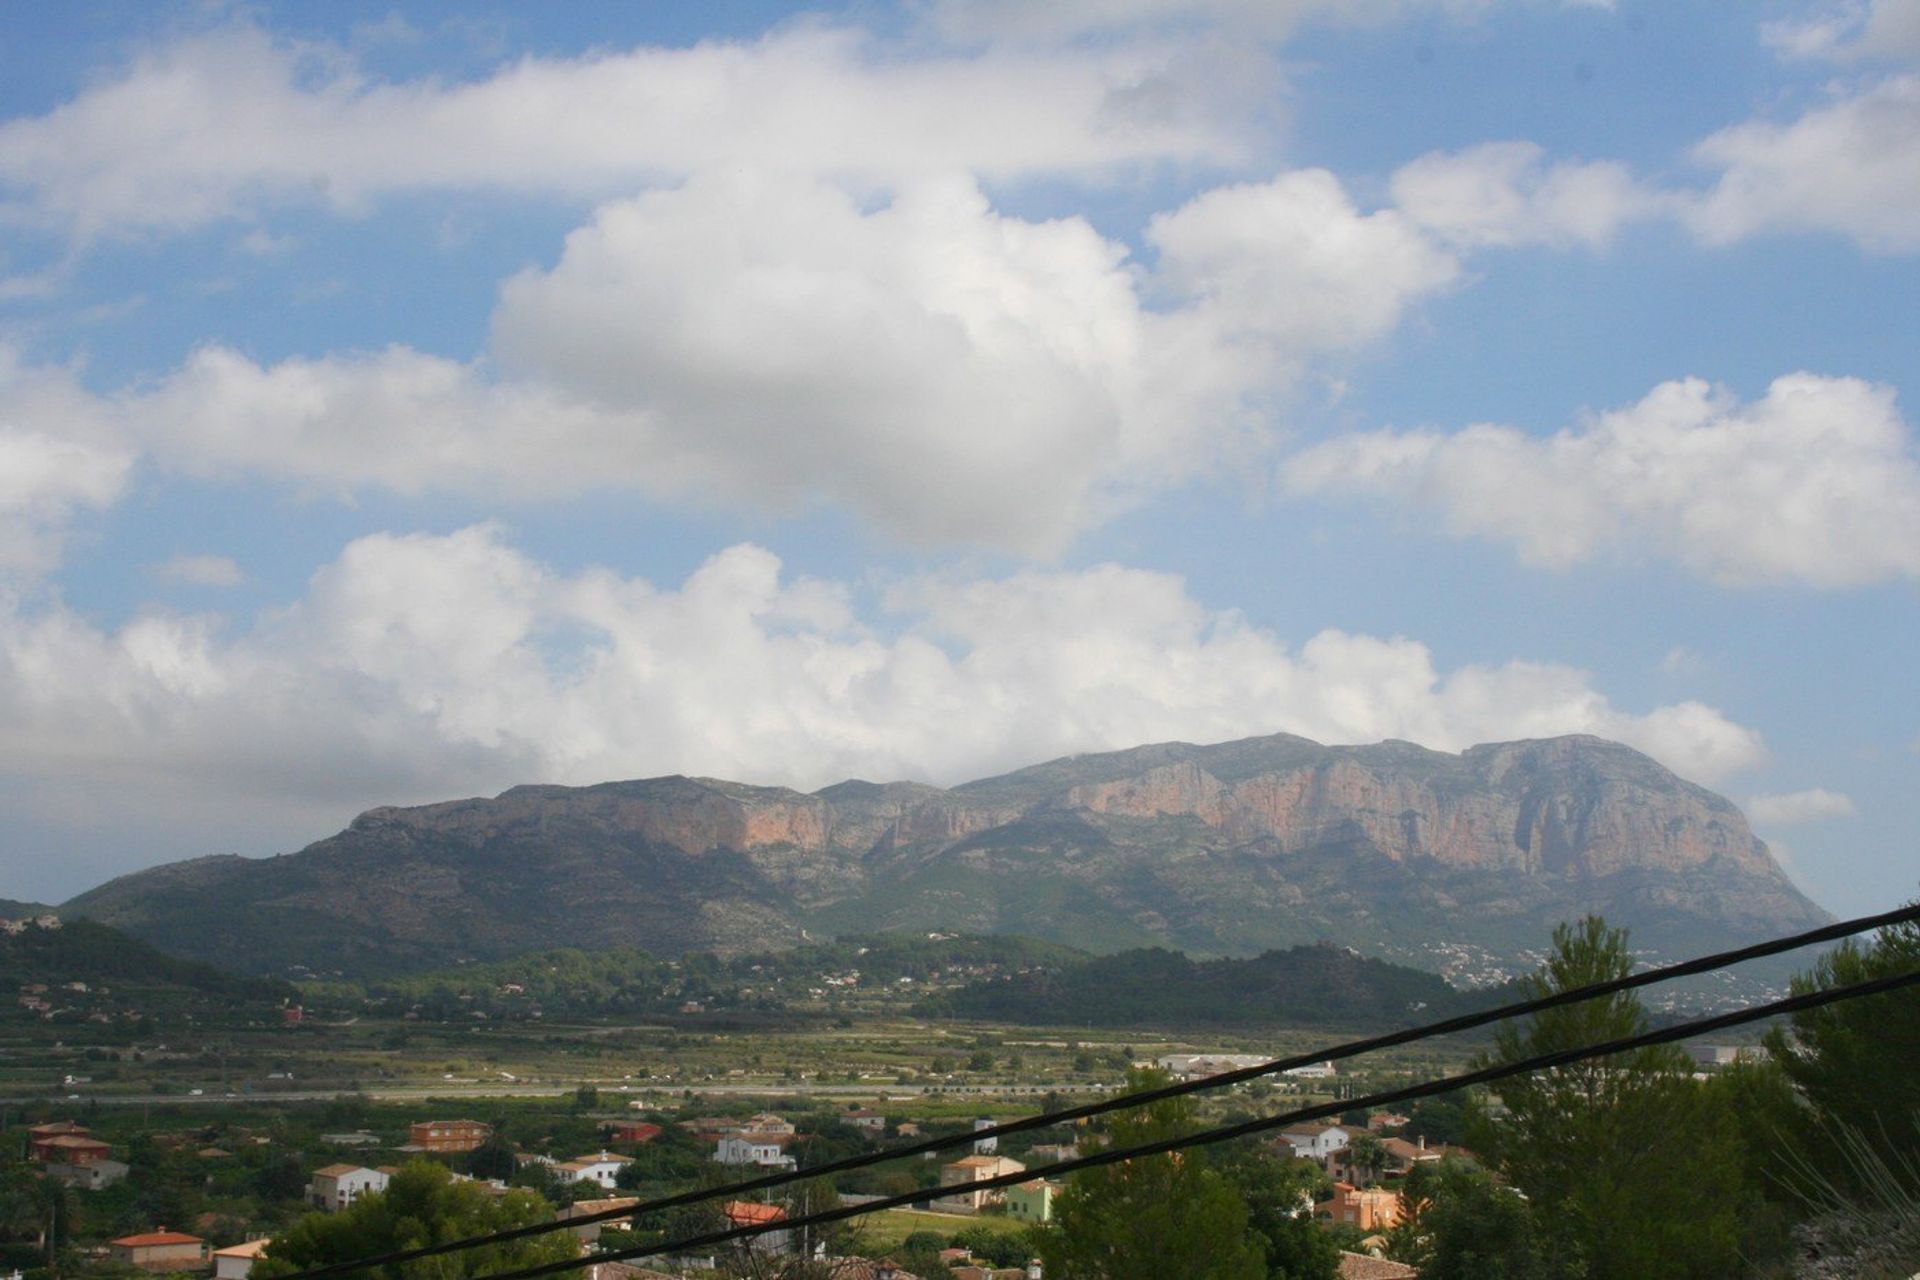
{"points": [[1220, 848]]}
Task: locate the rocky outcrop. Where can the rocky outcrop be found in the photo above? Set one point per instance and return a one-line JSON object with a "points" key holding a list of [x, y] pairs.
{"points": [[1226, 848]]}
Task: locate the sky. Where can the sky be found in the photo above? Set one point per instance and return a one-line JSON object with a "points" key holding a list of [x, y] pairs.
{"points": [[405, 401]]}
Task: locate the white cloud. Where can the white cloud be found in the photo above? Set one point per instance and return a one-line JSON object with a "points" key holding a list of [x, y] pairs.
{"points": [[1060, 20], [1812, 805], [232, 122], [201, 571], [58, 455], [954, 374], [1815, 483], [419, 667], [1290, 266], [1849, 31], [1506, 193], [1850, 166]]}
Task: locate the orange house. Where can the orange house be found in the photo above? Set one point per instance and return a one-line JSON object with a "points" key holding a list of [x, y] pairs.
{"points": [[1369, 1208]]}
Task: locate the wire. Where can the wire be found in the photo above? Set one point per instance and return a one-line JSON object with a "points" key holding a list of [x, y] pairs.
{"points": [[1121, 1102], [1208, 1137]]}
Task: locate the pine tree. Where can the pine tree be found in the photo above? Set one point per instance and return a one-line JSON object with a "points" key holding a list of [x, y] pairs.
{"points": [[1636, 1168], [1159, 1215]]}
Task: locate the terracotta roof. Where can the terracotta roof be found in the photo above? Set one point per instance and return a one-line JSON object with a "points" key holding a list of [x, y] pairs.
{"points": [[1358, 1266], [338, 1170], [251, 1249], [71, 1142], [743, 1213], [154, 1238]]}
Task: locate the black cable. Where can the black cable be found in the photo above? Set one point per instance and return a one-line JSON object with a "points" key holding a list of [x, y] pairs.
{"points": [[1045, 1120], [1208, 1137]]}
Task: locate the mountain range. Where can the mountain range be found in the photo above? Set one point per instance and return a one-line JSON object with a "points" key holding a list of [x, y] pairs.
{"points": [[1457, 861]]}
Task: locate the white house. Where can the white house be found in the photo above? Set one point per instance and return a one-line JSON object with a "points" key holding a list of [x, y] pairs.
{"points": [[768, 1150], [339, 1185], [1316, 1141], [1314, 1071], [600, 1168], [235, 1262]]}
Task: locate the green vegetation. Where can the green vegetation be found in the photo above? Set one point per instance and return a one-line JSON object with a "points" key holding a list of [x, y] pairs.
{"points": [[889, 968], [1304, 986], [422, 1204]]}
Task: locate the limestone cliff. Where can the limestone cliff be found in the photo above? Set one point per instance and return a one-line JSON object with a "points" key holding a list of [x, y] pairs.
{"points": [[1225, 848]]}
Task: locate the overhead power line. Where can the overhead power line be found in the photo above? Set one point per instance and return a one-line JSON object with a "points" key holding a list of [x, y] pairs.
{"points": [[1265, 1124], [1122, 1102]]}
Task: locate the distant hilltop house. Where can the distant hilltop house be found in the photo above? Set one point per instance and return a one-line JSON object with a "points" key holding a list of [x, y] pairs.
{"points": [[956, 1179], [446, 1135], [24, 923], [339, 1185], [160, 1250], [601, 1168]]}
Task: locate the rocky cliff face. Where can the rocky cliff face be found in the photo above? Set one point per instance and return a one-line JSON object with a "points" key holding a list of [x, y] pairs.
{"points": [[1224, 848]]}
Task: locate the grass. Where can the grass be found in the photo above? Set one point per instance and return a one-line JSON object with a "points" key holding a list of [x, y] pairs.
{"points": [[886, 1229]]}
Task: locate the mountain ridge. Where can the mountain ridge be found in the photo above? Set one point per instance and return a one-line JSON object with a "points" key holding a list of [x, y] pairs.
{"points": [[1224, 848]]}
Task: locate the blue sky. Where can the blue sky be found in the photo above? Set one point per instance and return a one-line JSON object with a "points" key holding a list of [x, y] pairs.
{"points": [[407, 401]]}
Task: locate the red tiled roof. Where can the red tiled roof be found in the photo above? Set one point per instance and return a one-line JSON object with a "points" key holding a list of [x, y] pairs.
{"points": [[743, 1213], [154, 1238]]}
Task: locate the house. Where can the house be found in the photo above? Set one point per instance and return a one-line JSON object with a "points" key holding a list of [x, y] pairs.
{"points": [[1031, 1202], [1368, 1208], [767, 1122], [160, 1250], [336, 1186], [635, 1131], [1054, 1152], [1315, 1141], [955, 1177], [1191, 1066], [358, 1138], [235, 1262], [447, 1135], [767, 1150], [68, 1148], [746, 1213], [95, 1175], [985, 1146], [867, 1121], [590, 1231], [602, 1167], [1315, 1071], [1360, 1266]]}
